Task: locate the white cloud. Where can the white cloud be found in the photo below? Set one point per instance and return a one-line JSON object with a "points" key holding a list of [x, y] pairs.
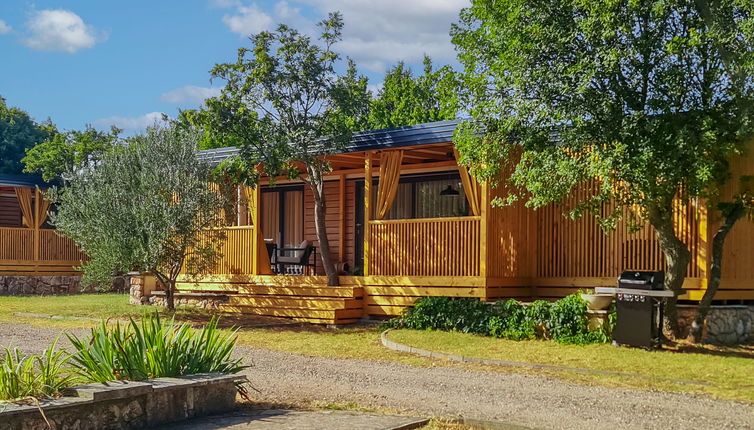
{"points": [[60, 30], [4, 28], [248, 20], [189, 94], [130, 124], [379, 33], [224, 3]]}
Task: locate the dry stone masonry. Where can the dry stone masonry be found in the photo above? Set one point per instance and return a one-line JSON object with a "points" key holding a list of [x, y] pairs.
{"points": [[725, 324], [39, 285]]}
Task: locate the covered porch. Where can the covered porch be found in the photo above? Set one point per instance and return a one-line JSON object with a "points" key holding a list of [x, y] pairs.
{"points": [[28, 244]]}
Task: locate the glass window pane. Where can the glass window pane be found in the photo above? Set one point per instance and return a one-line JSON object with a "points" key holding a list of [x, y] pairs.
{"points": [[440, 198]]}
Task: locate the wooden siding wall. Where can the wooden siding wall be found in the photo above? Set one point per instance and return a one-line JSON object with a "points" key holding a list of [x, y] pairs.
{"points": [[332, 218], [425, 247], [737, 280], [10, 211]]}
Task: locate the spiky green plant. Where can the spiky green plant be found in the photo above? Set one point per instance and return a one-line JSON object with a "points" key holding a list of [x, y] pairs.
{"points": [[39, 376], [148, 349]]}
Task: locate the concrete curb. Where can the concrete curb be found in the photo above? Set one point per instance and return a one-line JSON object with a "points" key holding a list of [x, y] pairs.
{"points": [[389, 344]]}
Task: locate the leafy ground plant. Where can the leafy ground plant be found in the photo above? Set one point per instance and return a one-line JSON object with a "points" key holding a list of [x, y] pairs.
{"points": [[564, 321], [39, 376], [148, 348]]}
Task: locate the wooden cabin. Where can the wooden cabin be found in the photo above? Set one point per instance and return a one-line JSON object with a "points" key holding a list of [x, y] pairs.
{"points": [[29, 246], [405, 221]]}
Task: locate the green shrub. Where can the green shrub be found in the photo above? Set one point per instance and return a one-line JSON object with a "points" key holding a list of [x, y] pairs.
{"points": [[39, 376], [465, 315], [564, 321], [150, 349]]}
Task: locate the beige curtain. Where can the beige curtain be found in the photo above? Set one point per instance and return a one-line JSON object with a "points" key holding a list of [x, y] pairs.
{"points": [[24, 200], [42, 207], [390, 174], [294, 218], [471, 187], [270, 219]]}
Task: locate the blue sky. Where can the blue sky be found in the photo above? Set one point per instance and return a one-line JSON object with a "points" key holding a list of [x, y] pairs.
{"points": [[125, 62]]}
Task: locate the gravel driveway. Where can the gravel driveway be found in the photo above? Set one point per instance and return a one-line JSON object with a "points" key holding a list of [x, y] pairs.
{"points": [[532, 401]]}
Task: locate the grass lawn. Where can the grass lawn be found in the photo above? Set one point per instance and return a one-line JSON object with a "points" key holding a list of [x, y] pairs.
{"points": [[723, 372]]}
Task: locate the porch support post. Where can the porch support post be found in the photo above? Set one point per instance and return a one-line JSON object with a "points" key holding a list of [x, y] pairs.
{"points": [[367, 208], [483, 233], [36, 226], [342, 239], [254, 198]]}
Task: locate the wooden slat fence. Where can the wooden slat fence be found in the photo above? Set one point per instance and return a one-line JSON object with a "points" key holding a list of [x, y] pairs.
{"points": [[16, 243], [424, 247], [579, 248], [55, 247], [237, 252]]}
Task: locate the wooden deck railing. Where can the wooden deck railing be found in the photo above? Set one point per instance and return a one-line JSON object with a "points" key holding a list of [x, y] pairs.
{"points": [[424, 247], [16, 244], [26, 246], [237, 251]]}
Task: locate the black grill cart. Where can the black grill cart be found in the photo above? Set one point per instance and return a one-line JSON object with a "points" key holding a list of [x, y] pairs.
{"points": [[639, 301]]}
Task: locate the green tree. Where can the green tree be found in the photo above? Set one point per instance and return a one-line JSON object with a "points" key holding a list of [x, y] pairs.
{"points": [[286, 107], [405, 99], [63, 154], [18, 132], [652, 97], [147, 207]]}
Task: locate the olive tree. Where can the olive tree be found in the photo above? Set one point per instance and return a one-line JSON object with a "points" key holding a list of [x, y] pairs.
{"points": [[652, 97], [148, 206], [287, 107]]}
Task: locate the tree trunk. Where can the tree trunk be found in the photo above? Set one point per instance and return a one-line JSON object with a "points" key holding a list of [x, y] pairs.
{"points": [[713, 282], [316, 183], [169, 285], [677, 258]]}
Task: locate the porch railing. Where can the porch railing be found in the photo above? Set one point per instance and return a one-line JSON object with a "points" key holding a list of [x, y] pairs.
{"points": [[37, 246], [237, 251], [425, 247]]}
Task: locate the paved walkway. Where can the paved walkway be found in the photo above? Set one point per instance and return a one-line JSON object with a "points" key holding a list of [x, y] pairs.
{"points": [[300, 420]]}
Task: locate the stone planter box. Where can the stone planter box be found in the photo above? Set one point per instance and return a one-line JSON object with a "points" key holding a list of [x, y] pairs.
{"points": [[127, 405]]}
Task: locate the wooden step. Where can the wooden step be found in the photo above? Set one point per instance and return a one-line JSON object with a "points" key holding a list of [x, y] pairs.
{"points": [[294, 302], [332, 316], [305, 291]]}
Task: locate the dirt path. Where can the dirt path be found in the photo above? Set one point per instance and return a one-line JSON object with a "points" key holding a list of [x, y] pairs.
{"points": [[532, 401]]}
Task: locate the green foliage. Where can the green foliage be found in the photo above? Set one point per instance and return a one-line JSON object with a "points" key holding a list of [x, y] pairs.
{"points": [[285, 105], [38, 376], [62, 154], [405, 99], [564, 321], [444, 313], [143, 207], [651, 97], [18, 133], [151, 349], [284, 102]]}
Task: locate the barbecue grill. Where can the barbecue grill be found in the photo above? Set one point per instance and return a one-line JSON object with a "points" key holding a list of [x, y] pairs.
{"points": [[639, 302]]}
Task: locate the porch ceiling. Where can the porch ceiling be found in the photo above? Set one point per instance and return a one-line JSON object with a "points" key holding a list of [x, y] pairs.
{"points": [[412, 155]]}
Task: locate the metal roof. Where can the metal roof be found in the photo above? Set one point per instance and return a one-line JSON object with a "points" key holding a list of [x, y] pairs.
{"points": [[419, 134], [29, 181]]}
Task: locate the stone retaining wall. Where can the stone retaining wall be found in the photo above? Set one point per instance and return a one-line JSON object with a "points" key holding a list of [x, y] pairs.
{"points": [[127, 405], [724, 325], [39, 285]]}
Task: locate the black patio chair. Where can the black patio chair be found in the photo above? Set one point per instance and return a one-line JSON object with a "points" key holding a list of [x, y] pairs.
{"points": [[296, 261]]}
